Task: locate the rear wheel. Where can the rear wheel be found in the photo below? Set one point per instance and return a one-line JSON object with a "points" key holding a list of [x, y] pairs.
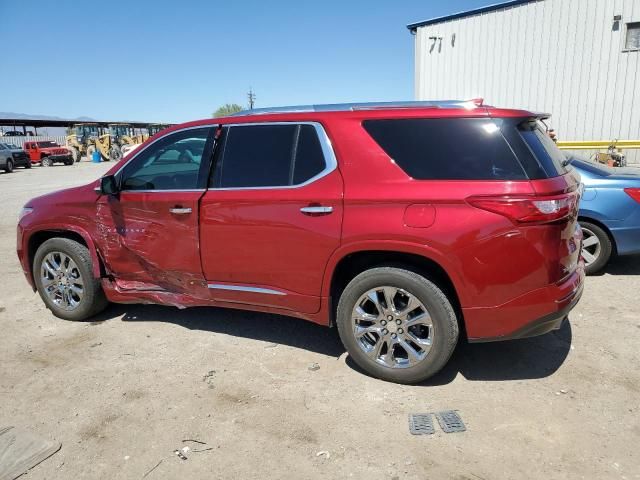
{"points": [[9, 166], [75, 154], [46, 162], [397, 325], [90, 150], [28, 164], [115, 154], [596, 247], [62, 270]]}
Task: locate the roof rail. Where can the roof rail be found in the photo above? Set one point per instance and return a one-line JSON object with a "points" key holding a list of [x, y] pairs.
{"points": [[344, 107]]}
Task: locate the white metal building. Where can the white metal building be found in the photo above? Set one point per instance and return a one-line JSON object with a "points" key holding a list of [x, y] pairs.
{"points": [[576, 59]]}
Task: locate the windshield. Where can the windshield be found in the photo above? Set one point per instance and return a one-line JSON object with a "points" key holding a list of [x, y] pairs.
{"points": [[47, 144]]}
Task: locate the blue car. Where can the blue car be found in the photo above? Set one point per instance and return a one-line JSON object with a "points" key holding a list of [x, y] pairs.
{"points": [[609, 212]]}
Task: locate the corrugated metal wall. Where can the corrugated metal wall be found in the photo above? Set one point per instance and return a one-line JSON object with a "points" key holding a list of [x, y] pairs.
{"points": [[565, 57]]}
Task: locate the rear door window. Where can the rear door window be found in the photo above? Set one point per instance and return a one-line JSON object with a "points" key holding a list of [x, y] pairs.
{"points": [[269, 155], [447, 148]]}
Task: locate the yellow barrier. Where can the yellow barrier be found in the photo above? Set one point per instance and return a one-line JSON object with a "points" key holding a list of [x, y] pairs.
{"points": [[597, 145]]}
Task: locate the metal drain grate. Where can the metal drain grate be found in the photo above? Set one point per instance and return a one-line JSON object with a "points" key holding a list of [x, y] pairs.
{"points": [[450, 421], [421, 424]]}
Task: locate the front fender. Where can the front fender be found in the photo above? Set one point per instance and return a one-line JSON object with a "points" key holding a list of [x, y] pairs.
{"points": [[61, 227]]}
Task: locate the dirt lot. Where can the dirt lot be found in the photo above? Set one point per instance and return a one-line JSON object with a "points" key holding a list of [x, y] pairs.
{"points": [[122, 393]]}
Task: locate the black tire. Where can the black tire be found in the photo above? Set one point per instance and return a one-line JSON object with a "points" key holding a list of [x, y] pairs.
{"points": [[443, 316], [75, 154], [46, 162], [605, 247], [28, 164], [68, 162], [93, 300], [9, 166]]}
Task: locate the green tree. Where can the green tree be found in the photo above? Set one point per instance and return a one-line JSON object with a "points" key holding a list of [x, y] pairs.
{"points": [[228, 109]]}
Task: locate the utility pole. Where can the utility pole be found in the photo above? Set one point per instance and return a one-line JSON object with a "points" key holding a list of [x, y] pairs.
{"points": [[252, 98]]}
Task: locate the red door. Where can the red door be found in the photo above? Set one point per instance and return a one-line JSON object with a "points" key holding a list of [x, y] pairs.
{"points": [[148, 234], [269, 245], [151, 240]]}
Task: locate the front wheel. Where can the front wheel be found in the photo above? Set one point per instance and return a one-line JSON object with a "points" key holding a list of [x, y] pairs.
{"points": [[9, 166], [62, 270], [46, 162], [596, 247], [397, 325]]}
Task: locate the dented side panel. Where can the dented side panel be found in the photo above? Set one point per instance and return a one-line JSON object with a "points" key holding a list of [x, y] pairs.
{"points": [[147, 246]]}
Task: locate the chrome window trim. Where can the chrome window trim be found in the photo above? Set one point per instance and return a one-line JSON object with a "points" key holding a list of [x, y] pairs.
{"points": [[138, 151], [240, 288], [330, 161], [172, 190]]}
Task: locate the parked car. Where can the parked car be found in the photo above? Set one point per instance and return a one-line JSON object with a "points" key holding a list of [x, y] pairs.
{"points": [[609, 212], [13, 133], [403, 226], [12, 156], [47, 152]]}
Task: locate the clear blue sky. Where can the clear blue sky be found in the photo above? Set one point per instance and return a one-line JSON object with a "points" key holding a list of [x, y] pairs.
{"points": [[177, 60]]}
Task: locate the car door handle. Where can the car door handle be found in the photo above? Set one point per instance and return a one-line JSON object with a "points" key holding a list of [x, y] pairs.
{"points": [[180, 210], [316, 210]]}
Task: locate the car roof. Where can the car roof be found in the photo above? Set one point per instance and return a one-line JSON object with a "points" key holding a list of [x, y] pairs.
{"points": [[364, 111]]}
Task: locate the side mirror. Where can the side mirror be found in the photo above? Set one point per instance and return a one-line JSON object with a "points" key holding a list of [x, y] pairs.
{"points": [[108, 185]]}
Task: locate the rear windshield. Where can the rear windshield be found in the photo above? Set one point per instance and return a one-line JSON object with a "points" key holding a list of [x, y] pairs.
{"points": [[549, 156], [447, 148]]}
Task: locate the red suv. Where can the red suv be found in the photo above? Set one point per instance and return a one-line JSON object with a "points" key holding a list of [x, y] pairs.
{"points": [[406, 226], [47, 153]]}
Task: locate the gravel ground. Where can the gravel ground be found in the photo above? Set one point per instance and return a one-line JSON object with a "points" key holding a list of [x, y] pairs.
{"points": [[124, 391]]}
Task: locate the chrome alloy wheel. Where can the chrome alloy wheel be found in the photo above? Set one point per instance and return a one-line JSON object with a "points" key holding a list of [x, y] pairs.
{"points": [[591, 247], [61, 280], [392, 327]]}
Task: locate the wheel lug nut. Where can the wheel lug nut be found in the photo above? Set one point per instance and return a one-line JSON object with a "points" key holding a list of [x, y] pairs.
{"points": [[385, 331], [400, 330], [383, 322], [393, 335], [398, 322], [389, 317]]}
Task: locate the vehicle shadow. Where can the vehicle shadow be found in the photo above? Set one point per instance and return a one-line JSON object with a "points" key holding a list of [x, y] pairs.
{"points": [[525, 359], [530, 358], [238, 323], [626, 265]]}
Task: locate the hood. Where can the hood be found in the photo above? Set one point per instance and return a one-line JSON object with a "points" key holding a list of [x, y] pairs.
{"points": [[55, 149], [82, 194]]}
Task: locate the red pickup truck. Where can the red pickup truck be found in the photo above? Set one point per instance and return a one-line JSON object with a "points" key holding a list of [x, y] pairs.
{"points": [[47, 152]]}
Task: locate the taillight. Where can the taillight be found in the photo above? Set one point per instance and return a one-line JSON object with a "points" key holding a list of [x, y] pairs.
{"points": [[633, 193], [529, 209]]}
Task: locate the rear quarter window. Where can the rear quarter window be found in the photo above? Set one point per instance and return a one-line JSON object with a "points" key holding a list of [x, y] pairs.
{"points": [[551, 160], [447, 148]]}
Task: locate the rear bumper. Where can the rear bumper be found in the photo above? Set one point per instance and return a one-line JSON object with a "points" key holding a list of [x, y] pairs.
{"points": [[60, 158], [534, 313]]}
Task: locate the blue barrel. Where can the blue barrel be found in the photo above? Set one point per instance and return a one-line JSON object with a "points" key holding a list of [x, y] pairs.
{"points": [[95, 158]]}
